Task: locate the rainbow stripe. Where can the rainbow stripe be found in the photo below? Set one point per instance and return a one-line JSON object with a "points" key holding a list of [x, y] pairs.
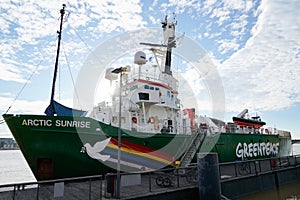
{"points": [[139, 154]]}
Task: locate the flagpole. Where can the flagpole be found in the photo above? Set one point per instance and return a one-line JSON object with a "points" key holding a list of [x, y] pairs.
{"points": [[119, 141], [117, 71]]}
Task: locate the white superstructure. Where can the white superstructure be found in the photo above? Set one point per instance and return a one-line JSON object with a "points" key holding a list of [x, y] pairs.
{"points": [[149, 94]]}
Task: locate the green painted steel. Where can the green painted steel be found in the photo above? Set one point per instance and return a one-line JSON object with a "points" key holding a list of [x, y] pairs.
{"points": [[52, 145], [229, 145]]}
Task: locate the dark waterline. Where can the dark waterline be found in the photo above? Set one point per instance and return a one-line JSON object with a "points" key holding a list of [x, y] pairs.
{"points": [[288, 192]]}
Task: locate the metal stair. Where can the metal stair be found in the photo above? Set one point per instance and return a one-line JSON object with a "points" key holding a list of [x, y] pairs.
{"points": [[192, 148]]}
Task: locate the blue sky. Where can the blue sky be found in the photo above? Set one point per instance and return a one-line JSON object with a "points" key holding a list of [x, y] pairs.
{"points": [[255, 46]]}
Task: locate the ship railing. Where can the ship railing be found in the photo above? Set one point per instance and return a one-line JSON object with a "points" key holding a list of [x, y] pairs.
{"points": [[104, 105], [232, 170], [152, 182], [88, 187], [284, 133], [275, 131], [148, 128], [162, 180], [144, 183], [148, 76]]}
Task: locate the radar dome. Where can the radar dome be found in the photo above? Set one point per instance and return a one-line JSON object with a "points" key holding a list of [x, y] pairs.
{"points": [[140, 58]]}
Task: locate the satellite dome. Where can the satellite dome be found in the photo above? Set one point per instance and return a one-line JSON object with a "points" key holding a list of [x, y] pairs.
{"points": [[140, 58]]}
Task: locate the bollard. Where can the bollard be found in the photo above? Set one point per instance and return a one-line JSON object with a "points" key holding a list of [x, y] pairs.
{"points": [[208, 175], [110, 184]]}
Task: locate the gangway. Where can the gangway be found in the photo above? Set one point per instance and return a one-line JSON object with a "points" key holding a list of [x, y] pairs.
{"points": [[193, 147]]}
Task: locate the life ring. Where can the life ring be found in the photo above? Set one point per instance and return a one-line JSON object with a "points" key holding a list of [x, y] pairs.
{"points": [[134, 120]]}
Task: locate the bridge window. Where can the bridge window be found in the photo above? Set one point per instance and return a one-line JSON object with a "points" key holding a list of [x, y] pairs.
{"points": [[143, 96]]}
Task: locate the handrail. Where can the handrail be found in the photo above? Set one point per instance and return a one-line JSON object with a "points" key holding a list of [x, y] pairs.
{"points": [[81, 178], [157, 181]]}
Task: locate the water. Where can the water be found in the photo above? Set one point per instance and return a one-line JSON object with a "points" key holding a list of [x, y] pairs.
{"points": [[296, 149], [287, 192], [14, 169]]}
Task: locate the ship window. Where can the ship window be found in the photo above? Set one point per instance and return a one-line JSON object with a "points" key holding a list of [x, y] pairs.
{"points": [[143, 96], [146, 86], [151, 88], [156, 88]]}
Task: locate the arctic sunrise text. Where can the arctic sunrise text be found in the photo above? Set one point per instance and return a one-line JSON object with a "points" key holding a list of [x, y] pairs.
{"points": [[57, 123]]}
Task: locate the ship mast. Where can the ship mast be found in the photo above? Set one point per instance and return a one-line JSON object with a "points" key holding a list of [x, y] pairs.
{"points": [[169, 43], [169, 37], [62, 12]]}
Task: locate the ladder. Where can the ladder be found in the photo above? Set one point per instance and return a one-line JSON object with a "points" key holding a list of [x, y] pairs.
{"points": [[192, 148]]}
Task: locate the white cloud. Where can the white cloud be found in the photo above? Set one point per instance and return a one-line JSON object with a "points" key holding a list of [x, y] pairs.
{"points": [[23, 106], [154, 20], [208, 6], [238, 5], [222, 14], [10, 72], [28, 25], [226, 21], [180, 6], [264, 75], [227, 45]]}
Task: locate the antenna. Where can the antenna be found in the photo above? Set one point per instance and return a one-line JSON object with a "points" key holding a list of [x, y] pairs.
{"points": [[170, 41], [174, 18]]}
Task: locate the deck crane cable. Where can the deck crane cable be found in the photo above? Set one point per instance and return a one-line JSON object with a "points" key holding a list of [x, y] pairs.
{"points": [[31, 75]]}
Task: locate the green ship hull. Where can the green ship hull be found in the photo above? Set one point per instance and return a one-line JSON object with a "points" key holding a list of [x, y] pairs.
{"points": [[239, 146], [53, 146]]}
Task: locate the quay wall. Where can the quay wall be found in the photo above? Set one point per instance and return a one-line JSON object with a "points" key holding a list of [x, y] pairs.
{"points": [[242, 186], [237, 187]]}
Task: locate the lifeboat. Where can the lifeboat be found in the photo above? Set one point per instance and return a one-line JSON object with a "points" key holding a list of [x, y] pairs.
{"points": [[254, 122]]}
